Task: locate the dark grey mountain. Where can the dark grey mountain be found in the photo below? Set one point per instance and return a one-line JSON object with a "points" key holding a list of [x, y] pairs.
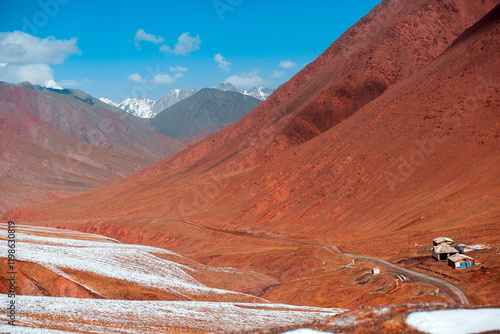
{"points": [[206, 111]]}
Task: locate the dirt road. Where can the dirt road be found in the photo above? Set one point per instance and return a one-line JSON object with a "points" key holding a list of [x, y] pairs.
{"points": [[451, 289], [444, 286], [458, 295]]}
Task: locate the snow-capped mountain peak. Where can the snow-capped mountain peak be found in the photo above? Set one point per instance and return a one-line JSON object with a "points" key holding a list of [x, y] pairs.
{"points": [[146, 108], [138, 106], [260, 93]]}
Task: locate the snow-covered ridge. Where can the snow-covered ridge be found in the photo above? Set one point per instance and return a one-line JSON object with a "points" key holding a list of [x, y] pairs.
{"points": [[109, 260], [138, 106]]}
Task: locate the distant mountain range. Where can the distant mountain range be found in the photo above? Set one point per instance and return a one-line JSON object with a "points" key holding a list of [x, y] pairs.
{"points": [[204, 113], [137, 106], [146, 108], [260, 93]]}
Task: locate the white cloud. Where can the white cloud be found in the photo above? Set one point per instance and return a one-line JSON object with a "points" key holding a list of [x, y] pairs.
{"points": [[34, 73], [52, 84], [39, 74], [277, 74], [185, 45], [223, 63], [288, 64], [20, 48], [24, 57], [136, 77], [246, 80], [178, 69], [162, 79], [141, 35]]}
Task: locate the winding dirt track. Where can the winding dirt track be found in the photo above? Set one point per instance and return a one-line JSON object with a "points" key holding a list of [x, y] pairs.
{"points": [[451, 289], [458, 295]]}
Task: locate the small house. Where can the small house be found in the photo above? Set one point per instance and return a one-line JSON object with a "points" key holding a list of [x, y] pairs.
{"points": [[442, 251], [443, 240], [460, 261], [376, 271]]}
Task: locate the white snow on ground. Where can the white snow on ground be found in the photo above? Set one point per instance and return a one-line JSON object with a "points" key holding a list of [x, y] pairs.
{"points": [[478, 247], [59, 233], [26, 330], [68, 238], [131, 263], [119, 316], [455, 321]]}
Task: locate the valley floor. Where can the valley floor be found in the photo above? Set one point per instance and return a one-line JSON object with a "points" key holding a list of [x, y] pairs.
{"points": [[206, 279]]}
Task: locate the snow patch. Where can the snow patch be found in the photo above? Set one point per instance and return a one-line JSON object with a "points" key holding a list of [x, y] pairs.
{"points": [[455, 321], [479, 247], [26, 330]]}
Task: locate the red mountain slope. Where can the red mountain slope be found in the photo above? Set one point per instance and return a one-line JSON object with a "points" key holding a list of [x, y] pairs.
{"points": [[53, 145], [393, 41], [90, 120], [420, 160]]}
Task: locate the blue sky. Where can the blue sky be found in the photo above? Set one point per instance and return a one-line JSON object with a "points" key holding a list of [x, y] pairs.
{"points": [[120, 49]]}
